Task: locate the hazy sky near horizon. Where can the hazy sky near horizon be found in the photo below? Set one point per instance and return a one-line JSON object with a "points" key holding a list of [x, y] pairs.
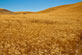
{"points": [[33, 5]]}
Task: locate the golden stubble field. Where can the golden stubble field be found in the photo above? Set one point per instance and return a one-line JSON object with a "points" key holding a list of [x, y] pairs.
{"points": [[41, 34]]}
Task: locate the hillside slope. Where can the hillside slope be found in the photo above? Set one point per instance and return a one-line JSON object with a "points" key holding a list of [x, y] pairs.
{"points": [[4, 11], [77, 7]]}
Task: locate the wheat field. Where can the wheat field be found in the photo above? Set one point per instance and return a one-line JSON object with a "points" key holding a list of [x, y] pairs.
{"points": [[52, 33]]}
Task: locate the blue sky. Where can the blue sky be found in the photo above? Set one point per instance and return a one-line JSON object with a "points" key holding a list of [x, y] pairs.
{"points": [[33, 5]]}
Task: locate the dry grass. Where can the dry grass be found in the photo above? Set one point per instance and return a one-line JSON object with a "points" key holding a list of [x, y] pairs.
{"points": [[41, 34]]}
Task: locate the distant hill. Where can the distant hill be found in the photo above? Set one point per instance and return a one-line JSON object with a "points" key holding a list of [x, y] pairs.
{"points": [[23, 12], [4, 11]]}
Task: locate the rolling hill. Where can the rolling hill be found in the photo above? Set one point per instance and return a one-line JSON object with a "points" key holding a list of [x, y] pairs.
{"points": [[77, 7], [4, 11]]}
